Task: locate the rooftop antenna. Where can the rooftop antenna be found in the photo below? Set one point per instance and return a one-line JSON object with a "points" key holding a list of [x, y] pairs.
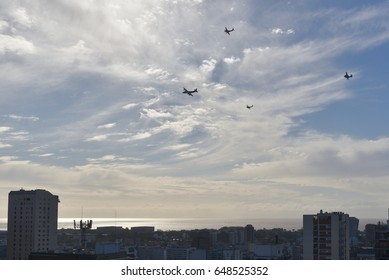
{"points": [[387, 221], [83, 226], [116, 229]]}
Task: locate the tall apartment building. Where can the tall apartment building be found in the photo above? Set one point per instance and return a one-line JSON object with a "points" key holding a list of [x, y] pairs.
{"points": [[326, 236], [32, 223]]}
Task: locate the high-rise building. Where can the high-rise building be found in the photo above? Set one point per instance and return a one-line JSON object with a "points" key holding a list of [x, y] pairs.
{"points": [[32, 223], [353, 231], [326, 236], [249, 233], [370, 234]]}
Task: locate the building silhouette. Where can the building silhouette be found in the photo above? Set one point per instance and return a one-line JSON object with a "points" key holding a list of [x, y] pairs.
{"points": [[326, 236], [249, 233], [381, 244], [353, 231], [32, 223], [370, 234]]}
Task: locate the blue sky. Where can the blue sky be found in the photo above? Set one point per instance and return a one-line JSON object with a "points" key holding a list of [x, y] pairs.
{"points": [[91, 107]]}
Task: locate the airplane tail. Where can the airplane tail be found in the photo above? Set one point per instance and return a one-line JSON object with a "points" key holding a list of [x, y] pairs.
{"points": [[195, 90]]}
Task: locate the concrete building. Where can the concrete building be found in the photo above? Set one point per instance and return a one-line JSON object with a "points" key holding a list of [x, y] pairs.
{"points": [[185, 253], [353, 231], [326, 236], [249, 233], [32, 223], [150, 253], [232, 235], [365, 253], [3, 244], [232, 254], [370, 234], [270, 251], [143, 230], [381, 245]]}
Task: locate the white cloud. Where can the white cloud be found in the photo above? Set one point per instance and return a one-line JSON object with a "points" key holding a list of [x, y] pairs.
{"points": [[21, 17], [107, 126], [219, 86], [19, 135], [141, 135], [15, 44], [231, 60], [46, 155], [129, 106], [7, 158], [181, 127], [107, 158], [178, 147], [190, 153], [154, 114], [158, 73], [321, 156], [5, 129], [20, 118], [97, 138], [3, 145], [3, 25], [208, 65], [279, 31]]}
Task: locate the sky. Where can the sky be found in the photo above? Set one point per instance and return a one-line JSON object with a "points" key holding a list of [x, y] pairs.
{"points": [[92, 109]]}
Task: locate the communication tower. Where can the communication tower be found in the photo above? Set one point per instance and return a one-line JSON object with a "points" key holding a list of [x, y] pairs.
{"points": [[83, 226]]}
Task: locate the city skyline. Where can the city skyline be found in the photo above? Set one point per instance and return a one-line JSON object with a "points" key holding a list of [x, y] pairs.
{"points": [[92, 107]]}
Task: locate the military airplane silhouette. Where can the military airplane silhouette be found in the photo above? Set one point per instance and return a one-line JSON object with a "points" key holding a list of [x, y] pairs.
{"points": [[228, 31], [249, 107], [347, 76], [189, 92]]}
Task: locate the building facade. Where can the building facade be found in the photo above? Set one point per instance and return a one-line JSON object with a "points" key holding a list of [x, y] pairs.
{"points": [[32, 223], [326, 236], [185, 253]]}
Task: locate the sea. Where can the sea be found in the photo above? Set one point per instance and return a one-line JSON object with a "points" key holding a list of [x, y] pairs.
{"points": [[166, 224]]}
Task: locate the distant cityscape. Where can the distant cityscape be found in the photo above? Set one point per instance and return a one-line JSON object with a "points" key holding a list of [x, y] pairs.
{"points": [[32, 233]]}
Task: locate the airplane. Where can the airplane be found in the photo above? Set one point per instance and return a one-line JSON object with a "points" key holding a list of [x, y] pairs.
{"points": [[189, 92], [228, 31], [347, 76], [249, 107]]}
